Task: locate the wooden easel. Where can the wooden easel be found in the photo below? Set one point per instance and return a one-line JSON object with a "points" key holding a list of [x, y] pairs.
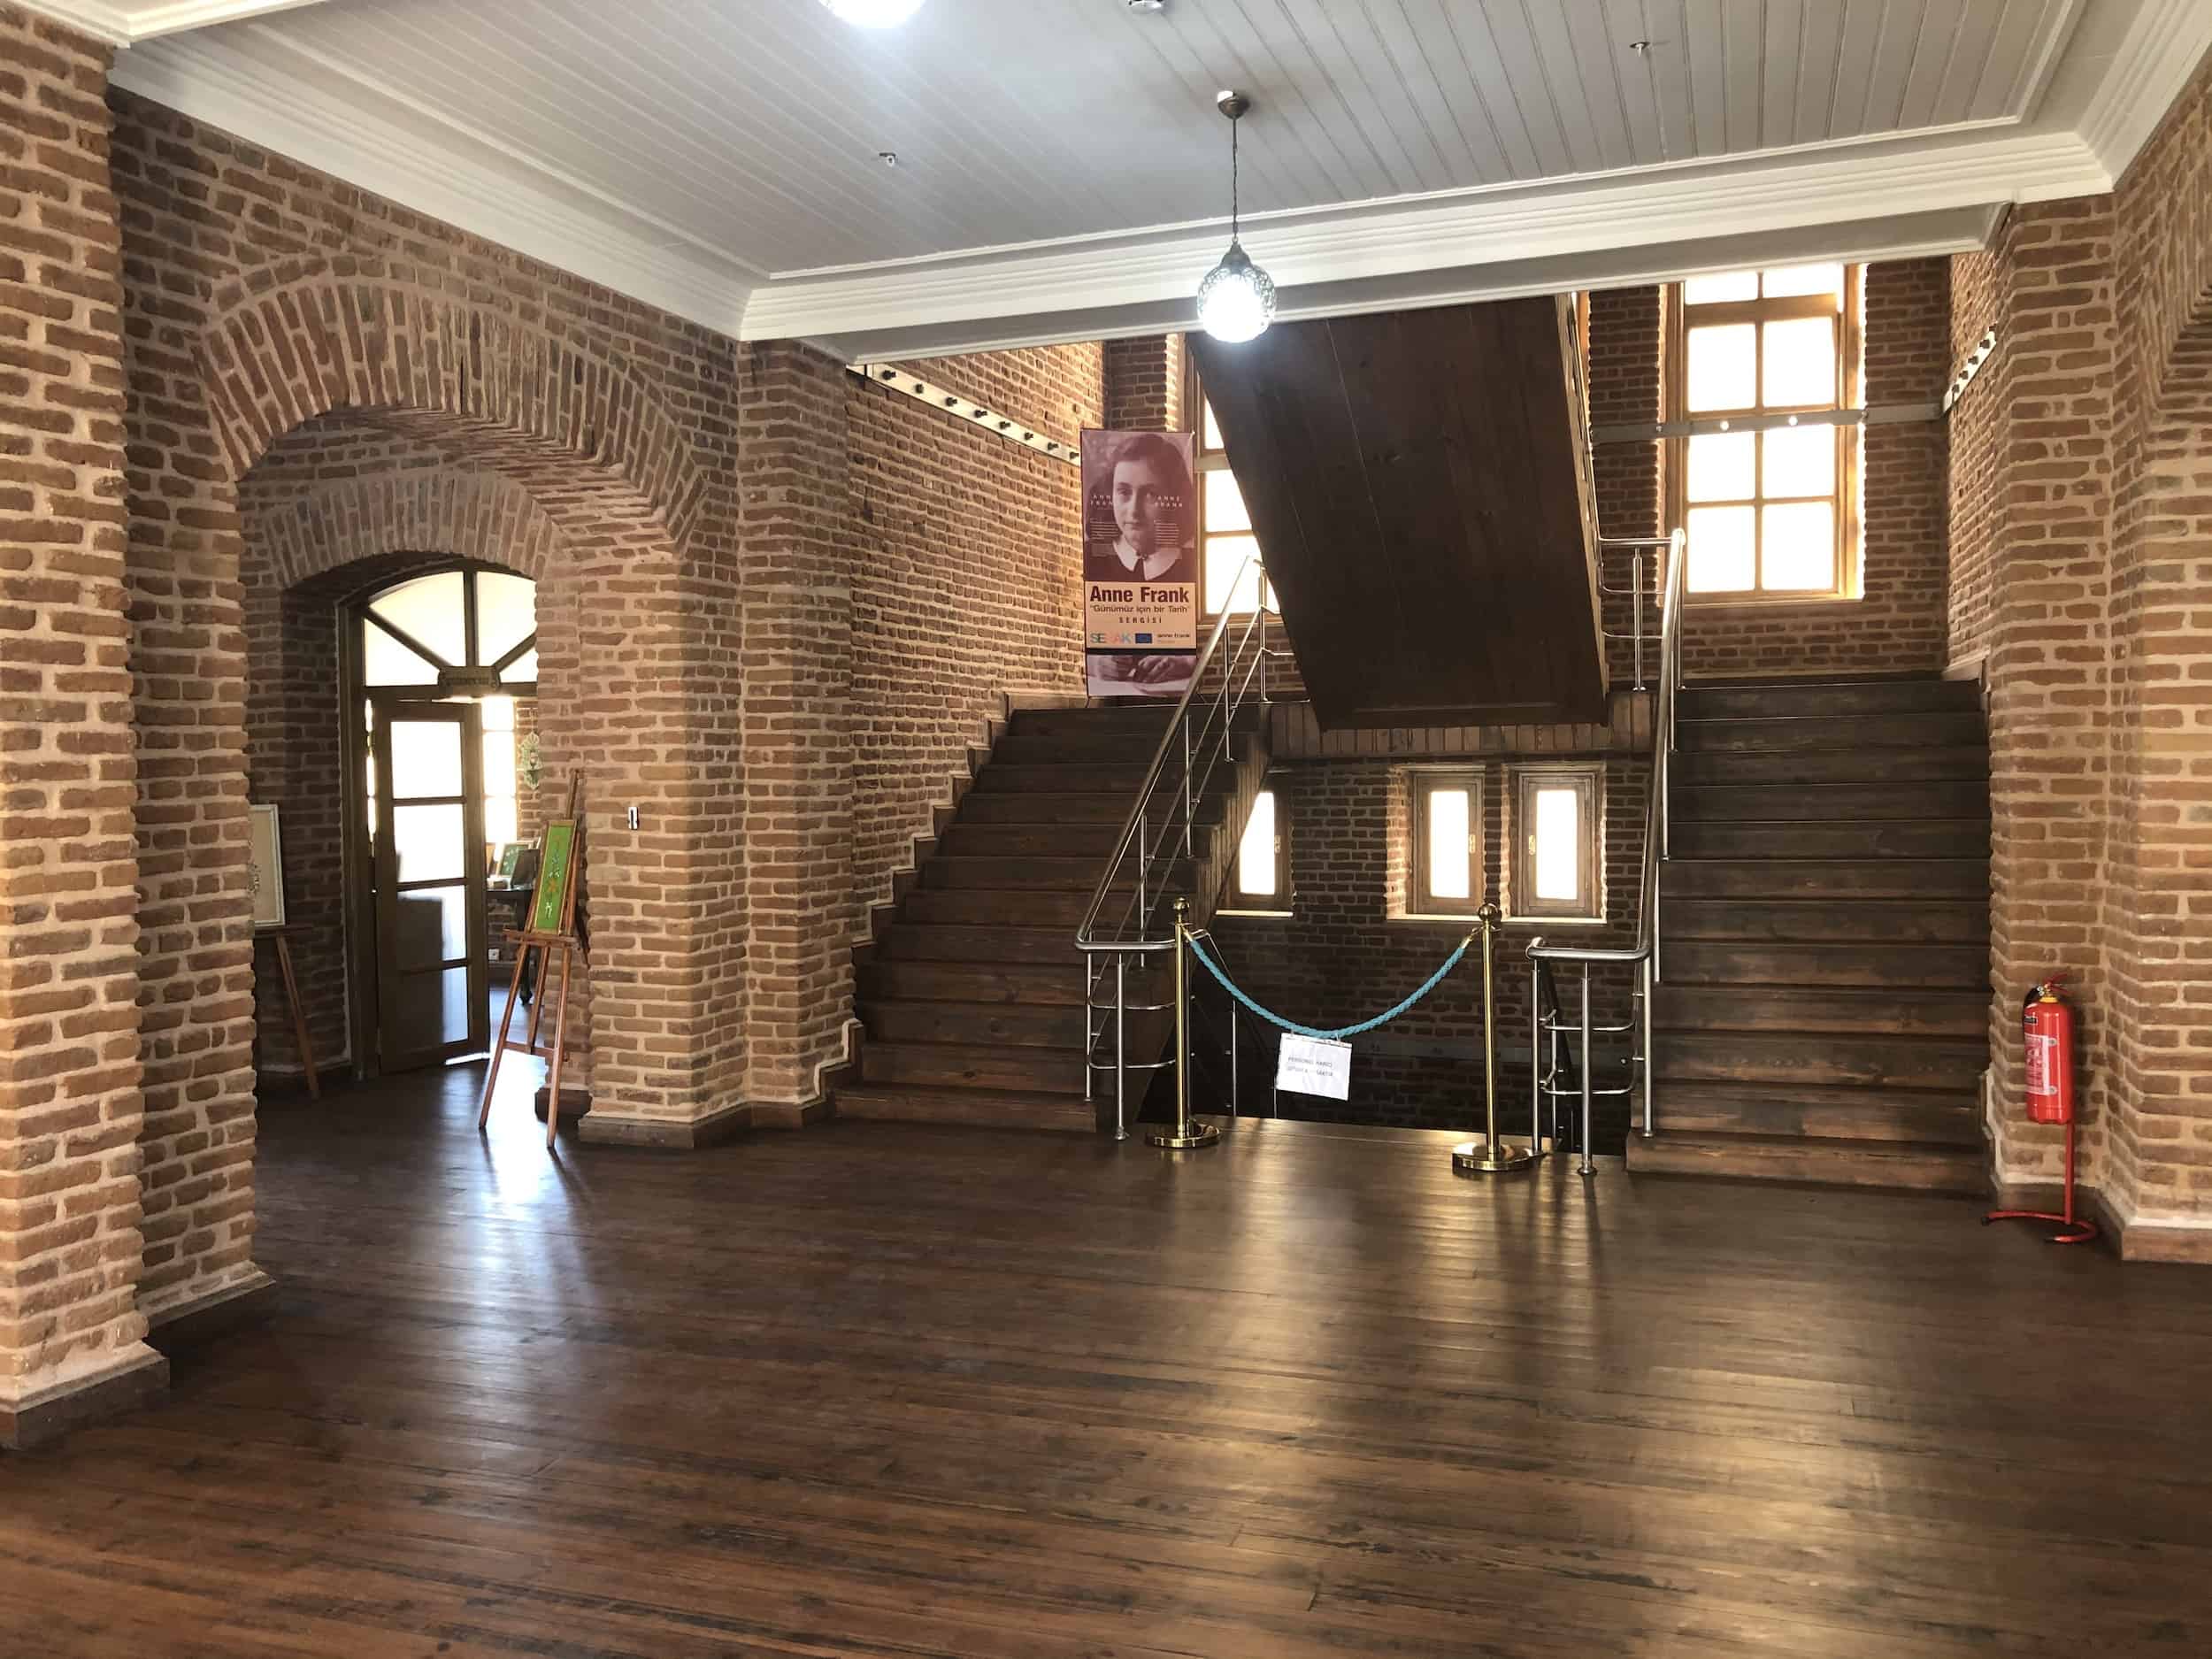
{"points": [[559, 943], [292, 1002]]}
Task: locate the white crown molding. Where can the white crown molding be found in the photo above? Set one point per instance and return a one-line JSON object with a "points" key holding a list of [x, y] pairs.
{"points": [[1435, 234], [120, 23], [2159, 53], [211, 84]]}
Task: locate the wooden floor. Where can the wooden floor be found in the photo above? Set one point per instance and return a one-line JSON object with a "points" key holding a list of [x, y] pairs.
{"points": [[894, 1390]]}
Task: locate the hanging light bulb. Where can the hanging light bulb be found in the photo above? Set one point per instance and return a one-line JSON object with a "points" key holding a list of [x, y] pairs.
{"points": [[1236, 302], [874, 14]]}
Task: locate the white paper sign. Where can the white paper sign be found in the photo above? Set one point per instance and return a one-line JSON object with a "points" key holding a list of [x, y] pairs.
{"points": [[1315, 1066]]}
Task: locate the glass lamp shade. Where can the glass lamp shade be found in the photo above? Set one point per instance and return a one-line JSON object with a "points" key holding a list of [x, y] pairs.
{"points": [[874, 14], [1236, 302]]}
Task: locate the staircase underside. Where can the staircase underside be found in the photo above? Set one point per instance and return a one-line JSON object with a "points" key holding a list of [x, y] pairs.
{"points": [[1824, 926], [1418, 481]]}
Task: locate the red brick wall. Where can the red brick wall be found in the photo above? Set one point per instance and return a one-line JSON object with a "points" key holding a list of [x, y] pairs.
{"points": [[1343, 955], [70, 1100], [1144, 384], [967, 579], [2079, 529], [1625, 363], [263, 296]]}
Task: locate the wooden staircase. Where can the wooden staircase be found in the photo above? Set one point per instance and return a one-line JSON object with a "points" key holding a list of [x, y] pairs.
{"points": [[971, 997], [1824, 937]]}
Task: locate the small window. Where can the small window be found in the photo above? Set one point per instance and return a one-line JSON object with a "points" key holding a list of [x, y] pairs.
{"points": [[1262, 876], [1446, 855], [1555, 818]]}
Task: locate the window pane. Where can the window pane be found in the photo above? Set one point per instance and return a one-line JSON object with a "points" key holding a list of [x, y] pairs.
{"points": [[506, 614], [386, 662], [1558, 830], [430, 926], [1451, 868], [1800, 461], [499, 764], [426, 759], [1708, 291], [499, 818], [1210, 436], [522, 672], [1223, 501], [1800, 361], [1800, 548], [1720, 466], [1804, 278], [1722, 556], [427, 841], [498, 714], [429, 610], [1256, 853], [1225, 554], [1723, 366]]}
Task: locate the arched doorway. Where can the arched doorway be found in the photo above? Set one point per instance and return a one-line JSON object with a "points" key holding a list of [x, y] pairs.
{"points": [[439, 667]]}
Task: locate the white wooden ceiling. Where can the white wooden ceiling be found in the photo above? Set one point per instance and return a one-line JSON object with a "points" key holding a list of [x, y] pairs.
{"points": [[1061, 169]]}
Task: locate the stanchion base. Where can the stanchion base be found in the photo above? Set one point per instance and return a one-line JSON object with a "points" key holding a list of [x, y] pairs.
{"points": [[1474, 1157], [2074, 1232], [1200, 1136]]}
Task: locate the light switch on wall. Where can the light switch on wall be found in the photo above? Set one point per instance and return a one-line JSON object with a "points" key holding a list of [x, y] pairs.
{"points": [[633, 818]]}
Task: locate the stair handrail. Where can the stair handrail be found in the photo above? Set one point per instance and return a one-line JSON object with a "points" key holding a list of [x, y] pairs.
{"points": [[1645, 951], [1133, 826], [1246, 664]]}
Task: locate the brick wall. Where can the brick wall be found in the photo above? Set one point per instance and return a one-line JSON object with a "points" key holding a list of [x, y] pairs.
{"points": [[1624, 371], [1347, 951], [70, 1100], [1144, 384], [262, 295], [2079, 570], [967, 582]]}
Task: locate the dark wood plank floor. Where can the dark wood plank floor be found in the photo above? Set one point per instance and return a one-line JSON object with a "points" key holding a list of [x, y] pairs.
{"points": [[880, 1390]]}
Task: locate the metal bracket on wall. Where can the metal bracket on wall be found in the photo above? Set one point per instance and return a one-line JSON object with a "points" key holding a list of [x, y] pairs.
{"points": [[897, 380], [1878, 415]]}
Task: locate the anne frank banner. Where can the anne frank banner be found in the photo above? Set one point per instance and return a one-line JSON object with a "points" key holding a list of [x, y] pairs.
{"points": [[1140, 562]]}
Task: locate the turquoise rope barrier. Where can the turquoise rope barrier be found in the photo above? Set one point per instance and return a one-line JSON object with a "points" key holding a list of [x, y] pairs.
{"points": [[1341, 1032]]}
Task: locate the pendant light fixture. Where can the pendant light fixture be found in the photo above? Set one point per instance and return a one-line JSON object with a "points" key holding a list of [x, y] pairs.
{"points": [[1237, 300], [874, 14]]}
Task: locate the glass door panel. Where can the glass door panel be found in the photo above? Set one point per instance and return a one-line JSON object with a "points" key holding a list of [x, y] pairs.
{"points": [[431, 925]]}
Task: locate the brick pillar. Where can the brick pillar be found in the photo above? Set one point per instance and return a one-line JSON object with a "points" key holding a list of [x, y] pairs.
{"points": [[1626, 359], [1144, 384], [71, 1333], [795, 557]]}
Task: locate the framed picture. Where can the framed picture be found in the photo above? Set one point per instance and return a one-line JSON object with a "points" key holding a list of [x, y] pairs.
{"points": [[265, 867], [553, 906], [510, 862], [1140, 562]]}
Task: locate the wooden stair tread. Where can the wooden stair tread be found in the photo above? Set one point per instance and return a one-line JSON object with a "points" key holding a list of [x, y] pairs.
{"points": [[983, 1108], [1825, 1112], [1914, 1165]]}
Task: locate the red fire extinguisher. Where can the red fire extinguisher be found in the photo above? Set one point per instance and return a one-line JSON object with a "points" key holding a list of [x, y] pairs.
{"points": [[2046, 1027], [2046, 1022]]}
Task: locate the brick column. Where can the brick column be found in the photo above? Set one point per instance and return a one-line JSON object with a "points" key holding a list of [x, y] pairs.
{"points": [[1144, 384], [796, 559], [71, 1333]]}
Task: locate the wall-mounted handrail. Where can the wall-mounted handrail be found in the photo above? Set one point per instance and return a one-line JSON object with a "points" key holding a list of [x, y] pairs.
{"points": [[1645, 951]]}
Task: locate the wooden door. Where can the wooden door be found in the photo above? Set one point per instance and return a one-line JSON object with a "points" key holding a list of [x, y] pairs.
{"points": [[431, 925]]}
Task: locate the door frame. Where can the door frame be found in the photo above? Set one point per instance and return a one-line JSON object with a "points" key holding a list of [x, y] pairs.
{"points": [[469, 717]]}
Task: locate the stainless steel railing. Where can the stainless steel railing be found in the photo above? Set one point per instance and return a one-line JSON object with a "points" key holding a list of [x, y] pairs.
{"points": [[1645, 953], [1160, 832]]}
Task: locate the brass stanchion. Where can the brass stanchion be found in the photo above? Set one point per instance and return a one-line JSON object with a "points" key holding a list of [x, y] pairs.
{"points": [[1185, 1133], [1486, 1156]]}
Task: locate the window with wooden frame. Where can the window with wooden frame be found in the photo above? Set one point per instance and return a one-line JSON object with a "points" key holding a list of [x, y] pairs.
{"points": [[1772, 515], [1261, 881], [1555, 833], [1224, 528], [1444, 859]]}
